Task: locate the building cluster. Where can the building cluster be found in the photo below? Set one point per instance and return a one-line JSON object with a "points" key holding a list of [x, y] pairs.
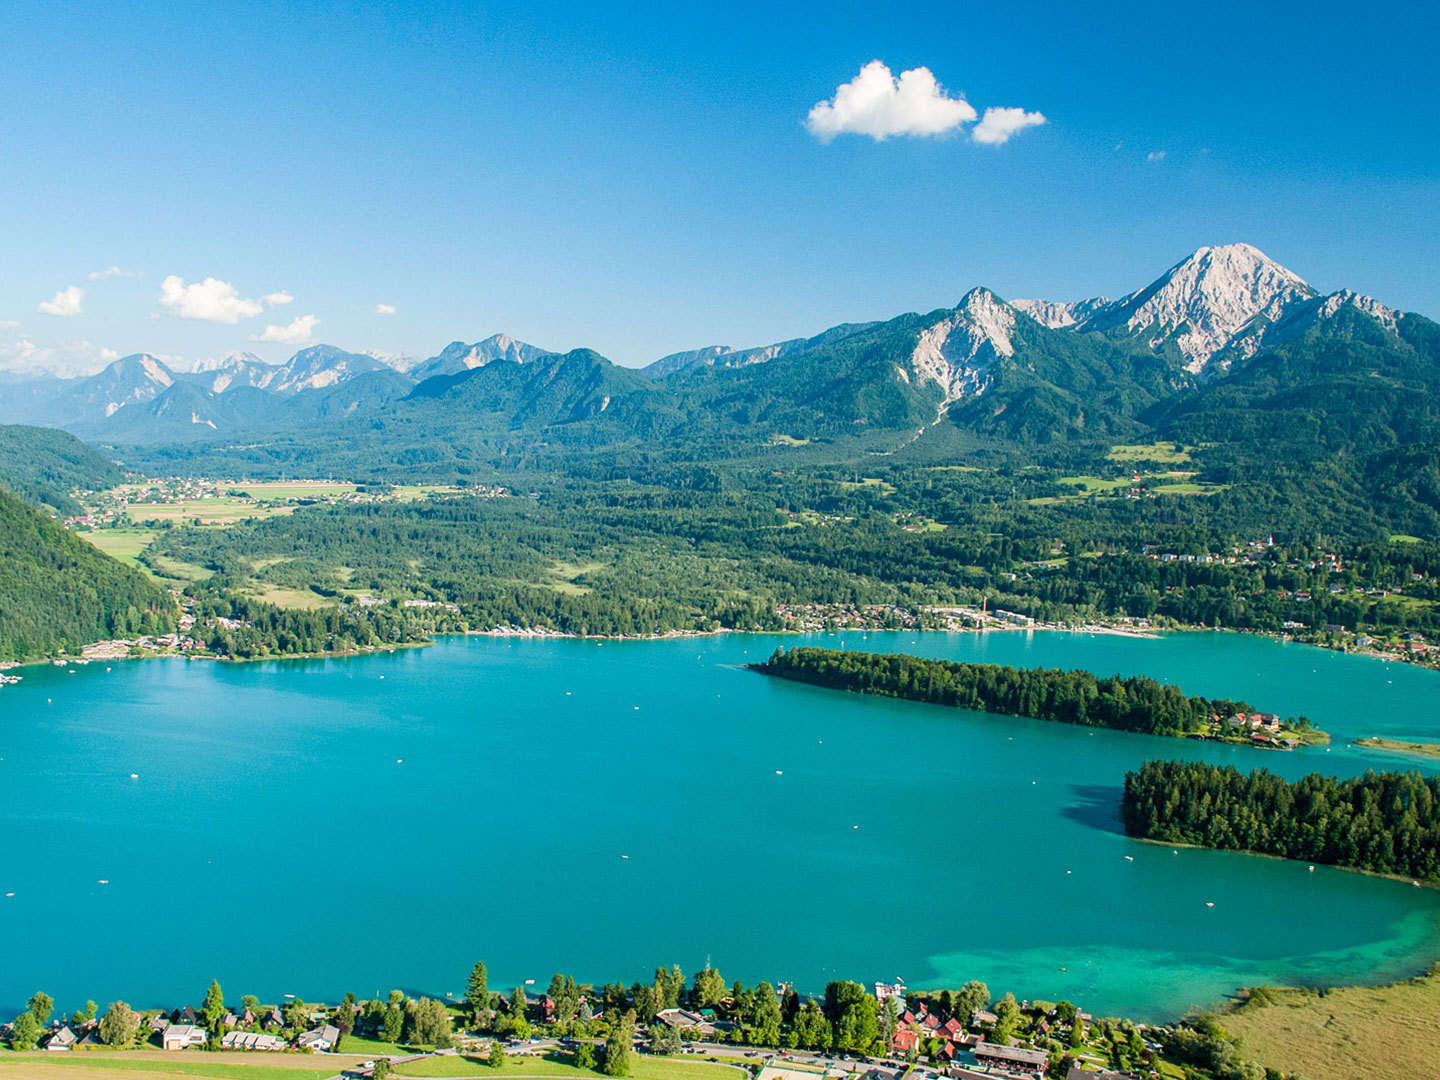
{"points": [[1264, 729], [965, 1054], [847, 617], [184, 1030]]}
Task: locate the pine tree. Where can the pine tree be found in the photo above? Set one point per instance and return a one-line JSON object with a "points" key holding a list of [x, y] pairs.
{"points": [[619, 1048], [214, 1008], [477, 991]]}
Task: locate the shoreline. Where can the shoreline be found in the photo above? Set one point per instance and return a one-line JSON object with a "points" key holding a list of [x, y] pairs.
{"points": [[543, 633], [1399, 746], [1397, 878]]}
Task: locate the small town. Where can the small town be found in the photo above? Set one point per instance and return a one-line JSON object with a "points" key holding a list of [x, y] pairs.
{"points": [[771, 1033]]}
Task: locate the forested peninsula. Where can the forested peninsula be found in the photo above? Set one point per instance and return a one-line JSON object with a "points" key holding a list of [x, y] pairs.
{"points": [[1382, 823], [1134, 703]]}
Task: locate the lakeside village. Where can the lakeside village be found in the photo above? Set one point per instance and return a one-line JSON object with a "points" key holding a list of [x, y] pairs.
{"points": [[771, 1031]]}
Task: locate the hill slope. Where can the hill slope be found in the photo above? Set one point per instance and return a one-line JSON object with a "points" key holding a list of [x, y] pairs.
{"points": [[58, 591], [44, 465]]}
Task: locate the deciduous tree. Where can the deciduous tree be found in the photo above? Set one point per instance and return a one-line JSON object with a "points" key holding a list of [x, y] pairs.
{"points": [[118, 1025]]}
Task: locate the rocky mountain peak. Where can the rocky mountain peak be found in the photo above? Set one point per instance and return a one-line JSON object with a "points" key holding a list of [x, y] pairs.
{"points": [[1202, 301]]}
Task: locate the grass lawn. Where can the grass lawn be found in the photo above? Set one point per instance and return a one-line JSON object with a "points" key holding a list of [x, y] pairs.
{"points": [[164, 568], [1185, 488], [884, 487], [280, 596], [415, 492], [1092, 484], [356, 1044], [159, 1065], [1353, 1033], [642, 1067], [122, 544], [563, 575], [1166, 452]]}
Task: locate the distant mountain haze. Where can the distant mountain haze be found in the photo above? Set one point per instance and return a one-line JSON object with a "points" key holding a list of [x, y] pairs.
{"points": [[1175, 350]]}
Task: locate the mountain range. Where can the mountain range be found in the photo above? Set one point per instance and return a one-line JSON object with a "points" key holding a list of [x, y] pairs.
{"points": [[1224, 340]]}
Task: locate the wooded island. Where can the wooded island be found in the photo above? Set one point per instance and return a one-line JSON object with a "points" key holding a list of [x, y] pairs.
{"points": [[1134, 703]]}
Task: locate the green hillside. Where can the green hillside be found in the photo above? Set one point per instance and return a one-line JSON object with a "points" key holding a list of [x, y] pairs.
{"points": [[57, 591], [44, 465]]}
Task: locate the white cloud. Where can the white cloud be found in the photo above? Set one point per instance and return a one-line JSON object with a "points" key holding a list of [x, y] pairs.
{"points": [[300, 330], [878, 104], [212, 300], [274, 299], [114, 271], [1155, 155], [9, 324], [384, 309], [67, 358], [65, 304], [1001, 122]]}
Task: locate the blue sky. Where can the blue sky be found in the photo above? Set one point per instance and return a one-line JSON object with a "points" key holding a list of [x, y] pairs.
{"points": [[640, 179]]}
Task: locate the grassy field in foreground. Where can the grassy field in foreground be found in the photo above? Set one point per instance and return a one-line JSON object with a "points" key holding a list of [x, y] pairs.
{"points": [[159, 1065], [358, 1044], [1353, 1033], [642, 1068]]}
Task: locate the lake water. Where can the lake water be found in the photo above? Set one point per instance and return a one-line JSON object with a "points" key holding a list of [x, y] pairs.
{"points": [[313, 827]]}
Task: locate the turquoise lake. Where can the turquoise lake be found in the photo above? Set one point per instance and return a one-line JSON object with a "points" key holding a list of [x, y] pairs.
{"points": [[598, 808]]}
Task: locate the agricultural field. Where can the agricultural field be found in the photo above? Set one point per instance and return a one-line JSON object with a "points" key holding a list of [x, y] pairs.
{"points": [[271, 490], [203, 511]]}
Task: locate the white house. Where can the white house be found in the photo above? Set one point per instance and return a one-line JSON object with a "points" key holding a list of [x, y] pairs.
{"points": [[251, 1040], [324, 1037], [183, 1036]]}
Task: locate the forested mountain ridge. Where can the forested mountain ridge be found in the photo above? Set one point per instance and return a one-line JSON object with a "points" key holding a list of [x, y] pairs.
{"points": [[1227, 351], [59, 592], [44, 466]]}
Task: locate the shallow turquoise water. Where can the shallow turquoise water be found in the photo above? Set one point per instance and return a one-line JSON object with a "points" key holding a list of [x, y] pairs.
{"points": [[275, 840]]}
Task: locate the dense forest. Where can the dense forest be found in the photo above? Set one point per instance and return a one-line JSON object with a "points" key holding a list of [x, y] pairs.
{"points": [[697, 548], [239, 627], [1387, 823], [44, 466], [59, 592], [1069, 697]]}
